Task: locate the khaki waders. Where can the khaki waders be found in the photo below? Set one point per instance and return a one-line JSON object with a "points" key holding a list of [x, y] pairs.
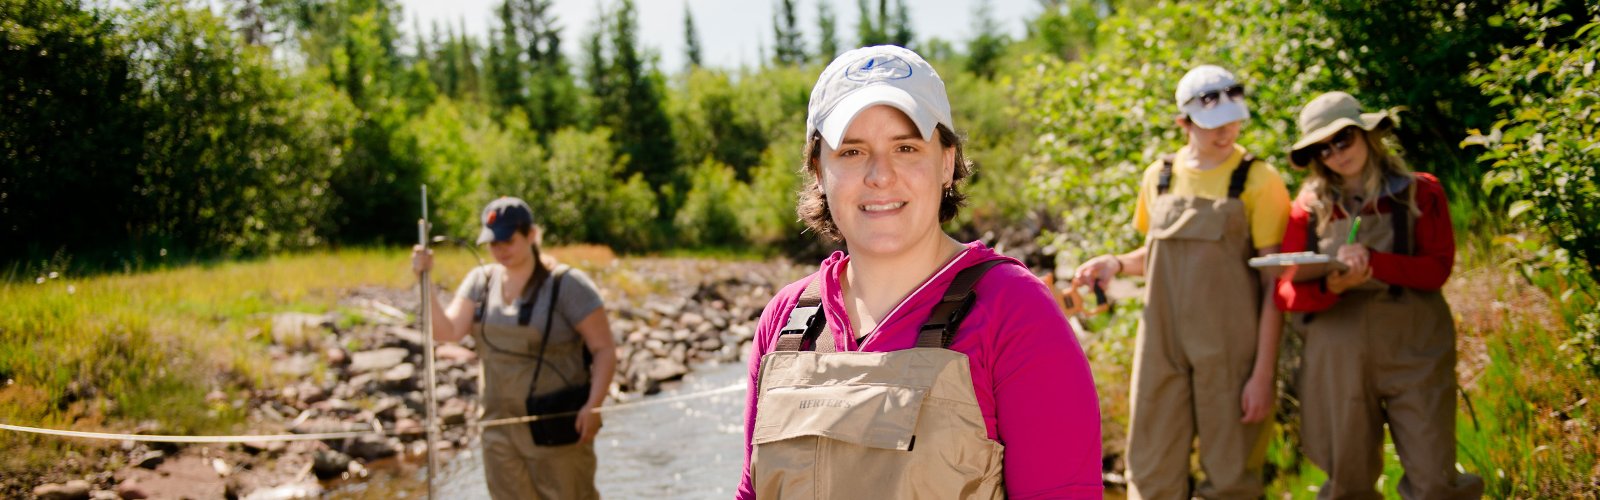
{"points": [[902, 424], [1196, 348], [513, 466], [1381, 354]]}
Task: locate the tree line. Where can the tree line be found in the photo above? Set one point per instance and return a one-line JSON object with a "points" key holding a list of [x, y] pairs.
{"points": [[256, 126]]}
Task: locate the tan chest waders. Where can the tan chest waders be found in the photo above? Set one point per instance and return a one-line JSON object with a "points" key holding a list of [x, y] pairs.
{"points": [[1195, 350], [902, 424], [513, 466], [1382, 354]]}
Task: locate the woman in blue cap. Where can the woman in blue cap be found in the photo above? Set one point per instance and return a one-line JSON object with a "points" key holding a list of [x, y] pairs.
{"points": [[546, 346]]}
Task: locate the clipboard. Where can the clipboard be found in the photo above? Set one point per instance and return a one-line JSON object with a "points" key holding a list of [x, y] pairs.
{"points": [[1308, 265]]}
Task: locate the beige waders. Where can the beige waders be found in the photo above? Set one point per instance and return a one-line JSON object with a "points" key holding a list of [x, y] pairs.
{"points": [[903, 424], [1382, 354], [513, 466], [1196, 349]]}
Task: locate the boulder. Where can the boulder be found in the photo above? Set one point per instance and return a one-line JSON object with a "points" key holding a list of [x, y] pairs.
{"points": [[378, 359], [71, 490]]}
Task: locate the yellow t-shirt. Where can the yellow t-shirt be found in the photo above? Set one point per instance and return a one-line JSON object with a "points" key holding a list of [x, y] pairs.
{"points": [[1265, 197]]}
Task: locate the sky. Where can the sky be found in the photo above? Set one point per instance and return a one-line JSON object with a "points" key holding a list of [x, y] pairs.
{"points": [[731, 31]]}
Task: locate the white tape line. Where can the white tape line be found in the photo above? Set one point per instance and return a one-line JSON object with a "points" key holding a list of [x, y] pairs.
{"points": [[155, 438], [188, 439]]}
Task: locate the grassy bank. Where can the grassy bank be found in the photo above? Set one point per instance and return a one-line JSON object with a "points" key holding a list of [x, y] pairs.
{"points": [[126, 352]]}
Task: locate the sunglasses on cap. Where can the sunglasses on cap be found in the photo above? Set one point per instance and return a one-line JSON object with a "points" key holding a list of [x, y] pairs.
{"points": [[1324, 150], [1210, 99]]}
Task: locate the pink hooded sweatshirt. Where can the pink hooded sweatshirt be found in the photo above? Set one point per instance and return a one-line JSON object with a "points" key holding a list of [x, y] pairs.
{"points": [[1031, 377]]}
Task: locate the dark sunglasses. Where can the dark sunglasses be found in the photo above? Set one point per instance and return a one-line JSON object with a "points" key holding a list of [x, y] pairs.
{"points": [[1324, 150], [1210, 99]]}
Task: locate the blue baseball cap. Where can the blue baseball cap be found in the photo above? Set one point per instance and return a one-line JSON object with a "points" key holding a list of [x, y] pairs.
{"points": [[503, 217]]}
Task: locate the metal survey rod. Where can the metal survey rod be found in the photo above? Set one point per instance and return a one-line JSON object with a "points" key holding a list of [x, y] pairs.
{"points": [[427, 334]]}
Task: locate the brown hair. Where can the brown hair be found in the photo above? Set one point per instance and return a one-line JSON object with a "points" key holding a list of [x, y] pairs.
{"points": [[1326, 188], [813, 204]]}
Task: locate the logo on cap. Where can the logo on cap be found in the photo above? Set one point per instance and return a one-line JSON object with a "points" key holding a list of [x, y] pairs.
{"points": [[492, 216], [879, 68]]}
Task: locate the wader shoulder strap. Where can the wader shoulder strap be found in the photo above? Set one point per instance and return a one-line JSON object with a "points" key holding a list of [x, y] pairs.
{"points": [[530, 294], [807, 323], [1313, 242], [1399, 217], [555, 293], [1164, 179], [940, 328], [489, 275], [1241, 174]]}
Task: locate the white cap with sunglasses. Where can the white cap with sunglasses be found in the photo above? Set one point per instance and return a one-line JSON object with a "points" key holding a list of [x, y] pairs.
{"points": [[1211, 97]]}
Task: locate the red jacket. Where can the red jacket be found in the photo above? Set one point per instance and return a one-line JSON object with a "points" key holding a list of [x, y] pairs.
{"points": [[1425, 269]]}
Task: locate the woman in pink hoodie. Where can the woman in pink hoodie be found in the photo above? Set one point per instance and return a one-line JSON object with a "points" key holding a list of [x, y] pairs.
{"points": [[912, 365]]}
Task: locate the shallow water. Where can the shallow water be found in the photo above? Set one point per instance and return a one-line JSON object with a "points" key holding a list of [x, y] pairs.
{"points": [[681, 449]]}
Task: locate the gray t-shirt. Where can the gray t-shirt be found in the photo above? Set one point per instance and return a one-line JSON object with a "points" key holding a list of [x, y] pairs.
{"points": [[509, 351], [579, 298]]}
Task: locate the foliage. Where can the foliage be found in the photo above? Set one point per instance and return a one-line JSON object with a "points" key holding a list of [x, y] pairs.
{"points": [[224, 165], [1541, 153], [707, 217], [71, 130]]}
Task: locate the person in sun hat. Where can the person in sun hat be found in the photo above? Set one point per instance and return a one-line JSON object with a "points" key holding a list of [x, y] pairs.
{"points": [[540, 328], [1380, 338], [910, 365], [1207, 344]]}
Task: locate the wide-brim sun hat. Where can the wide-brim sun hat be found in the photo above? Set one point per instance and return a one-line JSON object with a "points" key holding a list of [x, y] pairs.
{"points": [[880, 75], [1327, 115], [1202, 80]]}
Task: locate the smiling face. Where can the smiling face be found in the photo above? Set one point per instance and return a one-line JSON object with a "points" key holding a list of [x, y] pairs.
{"points": [[883, 183], [1212, 141]]}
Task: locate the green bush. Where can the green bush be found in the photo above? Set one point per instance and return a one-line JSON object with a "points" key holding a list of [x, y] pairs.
{"points": [[238, 159], [1541, 153], [708, 217], [71, 130]]}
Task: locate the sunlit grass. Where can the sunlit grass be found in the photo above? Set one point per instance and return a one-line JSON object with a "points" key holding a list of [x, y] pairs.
{"points": [[124, 351]]}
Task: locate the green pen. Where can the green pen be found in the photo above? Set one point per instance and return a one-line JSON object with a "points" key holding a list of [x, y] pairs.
{"points": [[1353, 227]]}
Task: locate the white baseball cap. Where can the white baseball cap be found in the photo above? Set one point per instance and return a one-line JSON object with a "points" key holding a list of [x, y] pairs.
{"points": [[870, 76], [1210, 113]]}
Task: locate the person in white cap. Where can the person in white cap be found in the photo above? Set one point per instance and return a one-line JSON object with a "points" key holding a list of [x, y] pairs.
{"points": [[912, 365], [1207, 345]]}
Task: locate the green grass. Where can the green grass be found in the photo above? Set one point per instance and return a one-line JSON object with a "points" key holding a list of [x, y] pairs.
{"points": [[120, 351]]}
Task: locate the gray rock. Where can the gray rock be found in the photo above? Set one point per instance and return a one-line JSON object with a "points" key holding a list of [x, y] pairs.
{"points": [[401, 375], [103, 495], [329, 464], [369, 447], [307, 489], [336, 356], [74, 489], [691, 320], [297, 365], [378, 359], [407, 337], [151, 459], [453, 412], [131, 491], [297, 330]]}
